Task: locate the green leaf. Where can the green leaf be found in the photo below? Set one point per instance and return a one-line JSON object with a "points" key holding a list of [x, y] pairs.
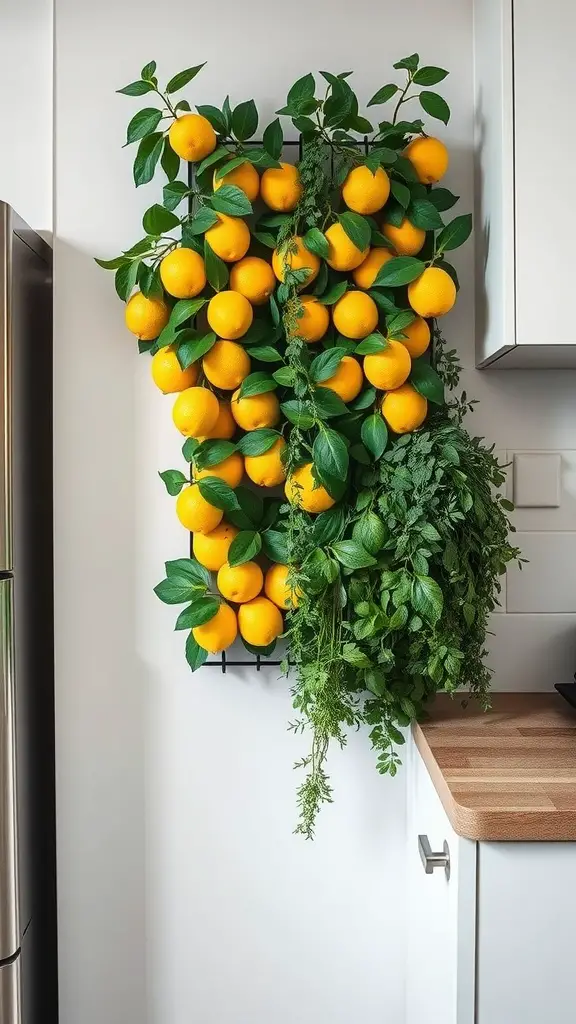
{"points": [[245, 120], [175, 590], [370, 532], [251, 509], [427, 598], [442, 198], [435, 105], [183, 78], [157, 220], [383, 95], [450, 270], [257, 384], [401, 193], [275, 546], [265, 353], [149, 282], [297, 413], [125, 279], [136, 88], [216, 269], [284, 376], [325, 365], [174, 480], [357, 228], [328, 403], [409, 63], [319, 571], [406, 169], [423, 214], [355, 656], [196, 656], [455, 233], [144, 122], [189, 448], [365, 399], [202, 610], [244, 547], [173, 193], [399, 618], [316, 242], [264, 652], [334, 293], [374, 435], [218, 493], [188, 567], [399, 271], [273, 139], [147, 158], [230, 165], [170, 161], [330, 456], [192, 346], [114, 264], [184, 620], [148, 72], [352, 555], [183, 310], [256, 442], [215, 117], [219, 154], [212, 452], [396, 322], [426, 381], [203, 219], [301, 95], [327, 526], [374, 342], [231, 200], [429, 76]]}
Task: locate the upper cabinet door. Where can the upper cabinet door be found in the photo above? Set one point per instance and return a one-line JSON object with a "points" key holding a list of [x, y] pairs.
{"points": [[525, 78]]}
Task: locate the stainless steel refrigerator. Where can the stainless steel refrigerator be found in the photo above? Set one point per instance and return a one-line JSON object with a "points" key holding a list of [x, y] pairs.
{"points": [[27, 853]]}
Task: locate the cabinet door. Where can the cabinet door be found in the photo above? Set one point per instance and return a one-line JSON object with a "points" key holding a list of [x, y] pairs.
{"points": [[441, 911]]}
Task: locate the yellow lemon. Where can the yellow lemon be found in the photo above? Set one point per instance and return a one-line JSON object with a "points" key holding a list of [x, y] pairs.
{"points": [[229, 238], [195, 513], [347, 381], [404, 409], [296, 255], [245, 177], [195, 412], [429, 158], [226, 365], [417, 337], [229, 315], [389, 368], [277, 588], [343, 254], [167, 373], [281, 188], [406, 239], [259, 622], [365, 192], [313, 323], [218, 633], [365, 275], [146, 318], [301, 489], [192, 137], [254, 279], [433, 293], [231, 470], [182, 273], [211, 549], [255, 411], [240, 583], [355, 315], [267, 470], [224, 427]]}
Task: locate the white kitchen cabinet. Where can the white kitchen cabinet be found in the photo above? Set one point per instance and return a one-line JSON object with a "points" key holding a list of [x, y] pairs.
{"points": [[525, 81], [493, 943]]}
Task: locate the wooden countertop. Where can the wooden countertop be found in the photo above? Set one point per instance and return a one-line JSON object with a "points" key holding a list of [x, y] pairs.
{"points": [[505, 774]]}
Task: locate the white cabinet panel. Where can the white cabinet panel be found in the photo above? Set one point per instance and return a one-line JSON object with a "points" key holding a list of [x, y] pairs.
{"points": [[546, 583], [441, 912]]}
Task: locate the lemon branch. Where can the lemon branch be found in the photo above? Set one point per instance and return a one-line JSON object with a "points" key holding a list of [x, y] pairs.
{"points": [[403, 97]]}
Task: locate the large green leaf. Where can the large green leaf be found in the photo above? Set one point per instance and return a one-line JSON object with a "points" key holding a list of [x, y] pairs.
{"points": [[399, 271], [245, 120], [192, 346], [147, 157], [357, 228], [273, 139], [183, 78], [370, 532], [216, 269], [383, 95], [435, 105], [196, 656], [157, 220], [427, 598], [330, 455], [231, 200], [246, 546], [256, 442], [352, 555], [143, 123], [325, 365], [455, 233], [375, 435], [257, 383], [218, 493], [275, 546], [426, 381], [174, 480], [429, 76]]}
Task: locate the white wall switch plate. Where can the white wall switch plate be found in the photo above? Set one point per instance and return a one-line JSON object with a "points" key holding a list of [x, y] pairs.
{"points": [[537, 480]]}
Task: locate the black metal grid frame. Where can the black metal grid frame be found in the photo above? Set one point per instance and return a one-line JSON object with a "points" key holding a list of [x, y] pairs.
{"points": [[257, 661]]}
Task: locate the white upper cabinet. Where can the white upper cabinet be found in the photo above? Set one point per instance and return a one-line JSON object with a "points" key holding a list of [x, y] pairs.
{"points": [[525, 84]]}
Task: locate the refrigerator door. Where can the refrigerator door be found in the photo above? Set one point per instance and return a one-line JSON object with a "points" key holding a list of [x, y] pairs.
{"points": [[5, 388], [9, 910], [10, 1004]]}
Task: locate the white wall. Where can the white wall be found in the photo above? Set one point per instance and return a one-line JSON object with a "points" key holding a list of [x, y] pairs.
{"points": [[183, 894], [26, 109]]}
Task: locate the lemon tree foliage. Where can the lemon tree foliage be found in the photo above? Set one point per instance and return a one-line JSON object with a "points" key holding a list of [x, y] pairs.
{"points": [[293, 310]]}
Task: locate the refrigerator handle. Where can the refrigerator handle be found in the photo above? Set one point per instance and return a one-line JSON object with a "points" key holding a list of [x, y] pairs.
{"points": [[9, 911]]}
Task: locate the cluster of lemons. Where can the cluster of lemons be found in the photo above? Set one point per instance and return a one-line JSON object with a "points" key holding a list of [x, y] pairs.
{"points": [[200, 413]]}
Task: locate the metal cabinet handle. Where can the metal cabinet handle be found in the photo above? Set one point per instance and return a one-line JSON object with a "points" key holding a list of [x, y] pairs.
{"points": [[434, 859]]}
